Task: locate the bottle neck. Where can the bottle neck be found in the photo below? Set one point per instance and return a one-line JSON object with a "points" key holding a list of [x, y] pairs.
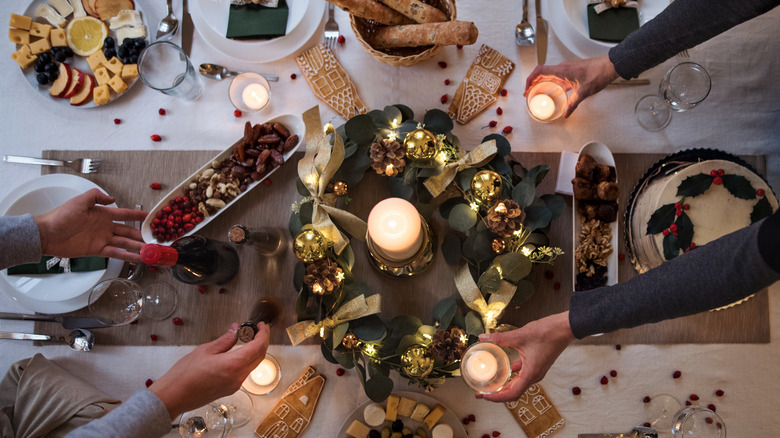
{"points": [[159, 255]]}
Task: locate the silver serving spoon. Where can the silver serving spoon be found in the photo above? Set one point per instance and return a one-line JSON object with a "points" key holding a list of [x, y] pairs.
{"points": [[168, 25], [218, 72], [524, 33], [79, 339]]}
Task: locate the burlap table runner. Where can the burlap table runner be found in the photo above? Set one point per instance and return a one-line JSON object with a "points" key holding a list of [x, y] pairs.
{"points": [[127, 175]]}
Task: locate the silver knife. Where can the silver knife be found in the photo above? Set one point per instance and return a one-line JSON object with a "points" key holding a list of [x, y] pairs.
{"points": [[68, 322], [541, 35], [24, 336], [186, 28]]}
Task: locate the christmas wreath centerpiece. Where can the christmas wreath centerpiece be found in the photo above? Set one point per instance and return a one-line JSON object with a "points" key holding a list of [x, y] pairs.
{"points": [[497, 227]]}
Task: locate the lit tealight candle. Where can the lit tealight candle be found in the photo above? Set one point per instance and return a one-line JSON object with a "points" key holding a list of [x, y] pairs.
{"points": [[255, 96], [395, 228], [482, 366], [542, 106], [265, 373]]}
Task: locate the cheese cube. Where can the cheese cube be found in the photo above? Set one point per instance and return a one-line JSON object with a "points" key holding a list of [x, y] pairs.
{"points": [[406, 406], [358, 430], [102, 76], [40, 46], [96, 60], [420, 411], [129, 71], [434, 416], [58, 38], [114, 65], [24, 57], [20, 22], [101, 95], [118, 85], [40, 30], [391, 413], [19, 36]]}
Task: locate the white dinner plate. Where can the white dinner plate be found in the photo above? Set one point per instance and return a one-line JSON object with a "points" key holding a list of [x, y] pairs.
{"points": [[448, 417], [569, 19], [308, 14], [51, 293]]}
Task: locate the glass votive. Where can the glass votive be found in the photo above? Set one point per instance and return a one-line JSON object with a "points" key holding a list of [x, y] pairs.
{"points": [[547, 101], [249, 92], [485, 367], [264, 378], [268, 241]]}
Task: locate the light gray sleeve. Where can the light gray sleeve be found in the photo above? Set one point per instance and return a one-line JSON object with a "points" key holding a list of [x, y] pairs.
{"points": [[143, 414], [20, 241]]}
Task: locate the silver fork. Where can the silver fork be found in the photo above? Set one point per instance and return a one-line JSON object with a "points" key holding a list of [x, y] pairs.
{"points": [[83, 165], [331, 29]]}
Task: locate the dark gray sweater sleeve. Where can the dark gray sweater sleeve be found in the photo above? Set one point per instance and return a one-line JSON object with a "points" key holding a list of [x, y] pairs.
{"points": [[142, 415], [713, 275], [682, 25], [20, 241]]}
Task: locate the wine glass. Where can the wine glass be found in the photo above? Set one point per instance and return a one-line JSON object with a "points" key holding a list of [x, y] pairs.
{"points": [[660, 411], [237, 406], [210, 421], [698, 422], [683, 87], [118, 301]]}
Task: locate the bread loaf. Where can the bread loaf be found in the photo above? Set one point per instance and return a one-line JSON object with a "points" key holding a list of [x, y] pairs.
{"points": [[417, 10], [428, 34], [372, 10]]}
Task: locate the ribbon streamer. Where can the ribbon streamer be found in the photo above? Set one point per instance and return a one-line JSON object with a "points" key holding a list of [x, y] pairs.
{"points": [[480, 156], [355, 308], [316, 169], [603, 5], [489, 311]]}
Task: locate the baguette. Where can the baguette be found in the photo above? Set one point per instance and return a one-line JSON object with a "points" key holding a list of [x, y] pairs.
{"points": [[447, 33], [372, 10], [417, 10]]}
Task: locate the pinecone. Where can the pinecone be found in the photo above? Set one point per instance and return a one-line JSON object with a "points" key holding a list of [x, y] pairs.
{"points": [[387, 157], [449, 345], [505, 217], [323, 276]]}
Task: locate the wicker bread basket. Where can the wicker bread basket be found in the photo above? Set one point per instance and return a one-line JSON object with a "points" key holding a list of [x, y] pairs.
{"points": [[404, 56]]}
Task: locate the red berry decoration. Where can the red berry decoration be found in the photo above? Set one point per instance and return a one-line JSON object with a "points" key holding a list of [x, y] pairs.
{"points": [[621, 256], [161, 111], [719, 393], [718, 425], [155, 186], [688, 403], [678, 213], [618, 347], [647, 399], [152, 269], [677, 374], [507, 129], [677, 205], [496, 433], [340, 371], [202, 288], [665, 232], [465, 420], [557, 286], [693, 397], [613, 373], [709, 420], [713, 172], [576, 390], [442, 64], [446, 82], [760, 192], [117, 121], [485, 435], [693, 245], [493, 123], [721, 172], [504, 92], [499, 111], [293, 76], [647, 424], [237, 113], [604, 380], [472, 418], [149, 382], [672, 227], [459, 46], [686, 207], [341, 39], [177, 321], [444, 99], [222, 290], [155, 137], [711, 407], [153, 337], [267, 182], [717, 180]]}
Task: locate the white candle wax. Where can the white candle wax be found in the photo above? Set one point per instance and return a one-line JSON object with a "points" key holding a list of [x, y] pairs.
{"points": [[265, 373], [542, 106], [255, 96], [482, 366], [395, 227]]}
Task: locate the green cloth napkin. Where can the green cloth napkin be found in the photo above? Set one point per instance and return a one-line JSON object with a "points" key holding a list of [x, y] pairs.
{"points": [[255, 22], [78, 264], [612, 25]]}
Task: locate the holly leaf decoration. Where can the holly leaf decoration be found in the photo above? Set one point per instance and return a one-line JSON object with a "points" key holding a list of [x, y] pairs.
{"points": [[694, 185], [437, 121], [462, 217], [360, 129], [524, 194], [684, 231], [537, 217], [450, 248], [661, 219], [739, 186], [761, 210], [671, 247]]}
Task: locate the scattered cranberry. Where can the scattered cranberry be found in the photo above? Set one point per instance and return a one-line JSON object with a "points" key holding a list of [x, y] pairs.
{"points": [[135, 321], [492, 123], [202, 288], [693, 397], [161, 111], [665, 232], [444, 99], [576, 390], [442, 64], [647, 399], [293, 76], [613, 373], [557, 286], [760, 192], [688, 403], [177, 321], [721, 172], [718, 425], [155, 186], [222, 290], [618, 347], [341, 39], [549, 274], [647, 424], [459, 46], [499, 111], [485, 435], [507, 129], [446, 82], [117, 121], [466, 420], [340, 371], [496, 433], [604, 380], [719, 393], [152, 269], [156, 137], [153, 337], [472, 418], [237, 113], [709, 420], [677, 374], [712, 407], [621, 256], [149, 382], [267, 182], [504, 92], [717, 180]]}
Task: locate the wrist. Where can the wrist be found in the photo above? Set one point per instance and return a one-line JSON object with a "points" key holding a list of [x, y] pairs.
{"points": [[43, 234], [561, 328]]}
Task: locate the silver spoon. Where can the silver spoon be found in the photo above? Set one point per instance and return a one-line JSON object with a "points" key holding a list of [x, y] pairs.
{"points": [[524, 33], [218, 72], [168, 25], [79, 339], [636, 432]]}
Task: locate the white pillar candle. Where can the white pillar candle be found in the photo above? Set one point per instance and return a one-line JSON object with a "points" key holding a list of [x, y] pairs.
{"points": [[482, 366], [255, 96], [542, 106], [395, 228], [265, 373]]}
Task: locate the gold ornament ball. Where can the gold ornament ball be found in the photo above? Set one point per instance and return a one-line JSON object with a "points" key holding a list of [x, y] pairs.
{"points": [[486, 187], [421, 145], [350, 341], [309, 245], [340, 188], [498, 245], [417, 361]]}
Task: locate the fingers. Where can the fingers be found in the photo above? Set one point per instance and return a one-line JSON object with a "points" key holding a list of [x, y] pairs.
{"points": [[120, 254], [127, 231], [512, 390], [95, 196], [253, 352], [223, 343], [126, 243], [126, 215]]}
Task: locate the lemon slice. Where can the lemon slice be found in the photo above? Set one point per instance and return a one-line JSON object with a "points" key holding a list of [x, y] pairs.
{"points": [[86, 35]]}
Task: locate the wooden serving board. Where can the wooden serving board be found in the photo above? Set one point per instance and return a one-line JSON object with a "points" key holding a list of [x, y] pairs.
{"points": [[127, 175]]}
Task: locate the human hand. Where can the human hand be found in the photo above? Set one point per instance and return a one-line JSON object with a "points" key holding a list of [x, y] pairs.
{"points": [[81, 227], [210, 371], [585, 77], [539, 344]]}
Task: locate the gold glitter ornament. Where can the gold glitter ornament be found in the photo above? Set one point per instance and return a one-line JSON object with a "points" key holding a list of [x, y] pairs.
{"points": [[350, 341], [417, 361], [340, 188], [309, 245], [486, 187], [498, 245], [421, 145]]}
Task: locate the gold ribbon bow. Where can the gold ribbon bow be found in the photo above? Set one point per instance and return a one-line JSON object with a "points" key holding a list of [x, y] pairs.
{"points": [[316, 169], [480, 156], [355, 308], [603, 5], [471, 294]]}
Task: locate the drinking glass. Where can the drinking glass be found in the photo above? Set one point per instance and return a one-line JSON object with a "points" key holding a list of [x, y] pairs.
{"points": [[683, 87], [485, 367], [698, 422], [163, 66], [547, 101], [660, 411], [118, 301], [210, 421], [237, 406]]}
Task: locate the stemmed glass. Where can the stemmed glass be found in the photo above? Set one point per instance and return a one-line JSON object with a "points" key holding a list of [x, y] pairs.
{"points": [[683, 87], [217, 418], [118, 301], [660, 411], [698, 422]]}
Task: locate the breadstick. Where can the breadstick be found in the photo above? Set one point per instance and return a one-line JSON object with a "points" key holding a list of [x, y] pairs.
{"points": [[372, 10], [414, 35], [417, 10]]}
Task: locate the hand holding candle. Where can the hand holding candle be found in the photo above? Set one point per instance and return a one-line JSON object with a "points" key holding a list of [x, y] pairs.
{"points": [[485, 367], [547, 101]]}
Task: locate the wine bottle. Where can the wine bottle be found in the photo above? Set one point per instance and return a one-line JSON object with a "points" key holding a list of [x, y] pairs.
{"points": [[194, 260], [268, 310]]}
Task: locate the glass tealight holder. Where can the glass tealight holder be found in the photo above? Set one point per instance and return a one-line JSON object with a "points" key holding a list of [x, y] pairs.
{"points": [[485, 367], [267, 241], [265, 378], [249, 92], [547, 101]]}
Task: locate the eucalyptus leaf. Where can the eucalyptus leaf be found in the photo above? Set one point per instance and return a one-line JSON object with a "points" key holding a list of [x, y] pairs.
{"points": [[338, 334], [342, 132], [446, 207], [427, 172], [405, 128], [305, 213], [450, 248], [378, 388], [327, 354], [537, 217], [350, 147], [437, 121], [502, 144], [410, 175], [301, 188], [537, 174], [294, 225], [354, 168], [347, 257], [380, 119], [556, 204], [483, 245], [523, 293], [500, 165], [399, 189], [514, 266], [538, 202], [406, 112], [369, 328], [406, 342], [538, 239], [462, 217], [524, 194], [302, 308], [403, 325], [489, 281], [444, 311], [394, 113], [474, 325], [361, 129], [345, 359], [465, 177], [376, 368], [298, 272]]}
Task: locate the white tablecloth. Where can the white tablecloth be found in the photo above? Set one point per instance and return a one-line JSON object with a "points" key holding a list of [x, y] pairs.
{"points": [[741, 115]]}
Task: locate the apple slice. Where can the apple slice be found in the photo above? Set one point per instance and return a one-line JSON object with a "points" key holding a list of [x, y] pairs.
{"points": [[85, 94], [60, 85], [76, 82], [88, 7], [110, 8]]}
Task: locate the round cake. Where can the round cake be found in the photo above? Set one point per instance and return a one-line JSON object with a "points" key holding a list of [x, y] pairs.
{"points": [[692, 206]]}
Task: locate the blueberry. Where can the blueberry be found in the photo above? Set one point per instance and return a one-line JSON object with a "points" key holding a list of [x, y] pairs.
{"points": [[44, 57], [42, 78], [54, 50], [125, 60], [374, 434], [39, 66], [50, 67], [123, 52], [109, 42], [110, 53], [133, 59], [52, 75], [397, 426], [68, 51], [60, 56], [139, 44]]}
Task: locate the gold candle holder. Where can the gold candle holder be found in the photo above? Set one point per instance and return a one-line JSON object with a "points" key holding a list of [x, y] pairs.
{"points": [[416, 264]]}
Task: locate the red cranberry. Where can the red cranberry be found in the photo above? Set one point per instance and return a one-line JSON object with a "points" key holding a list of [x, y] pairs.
{"points": [[177, 321], [604, 380], [665, 232], [576, 390], [293, 76], [713, 172], [465, 420], [677, 374], [340, 371], [155, 186], [718, 425], [161, 111], [149, 382], [686, 207], [166, 209], [618, 347], [677, 205], [485, 435], [504, 92], [237, 113], [507, 130], [621, 256], [647, 399], [222, 290], [459, 46], [672, 227], [267, 182], [446, 82], [647, 424], [493, 123], [760, 192], [341, 39], [712, 407], [557, 286], [709, 420], [719, 393], [717, 180], [442, 64], [499, 111], [202, 288], [496, 433], [613, 373], [693, 397], [153, 337], [117, 121], [721, 172], [472, 418], [444, 99], [156, 137]]}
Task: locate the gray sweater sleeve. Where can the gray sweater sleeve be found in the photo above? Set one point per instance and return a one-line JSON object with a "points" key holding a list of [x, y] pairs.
{"points": [[713, 275], [20, 241], [682, 25], [143, 414]]}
